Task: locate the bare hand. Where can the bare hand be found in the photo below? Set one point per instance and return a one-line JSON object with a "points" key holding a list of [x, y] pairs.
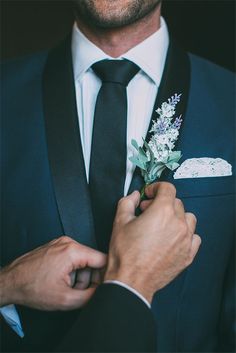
{"points": [[149, 251], [42, 278]]}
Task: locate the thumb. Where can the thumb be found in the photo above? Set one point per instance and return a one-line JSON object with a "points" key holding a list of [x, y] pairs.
{"points": [[196, 242], [127, 206], [77, 298]]}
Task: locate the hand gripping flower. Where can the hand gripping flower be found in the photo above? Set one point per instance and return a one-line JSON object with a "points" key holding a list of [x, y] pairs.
{"points": [[157, 154]]}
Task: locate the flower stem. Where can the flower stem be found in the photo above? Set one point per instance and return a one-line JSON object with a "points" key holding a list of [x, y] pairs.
{"points": [[142, 193]]}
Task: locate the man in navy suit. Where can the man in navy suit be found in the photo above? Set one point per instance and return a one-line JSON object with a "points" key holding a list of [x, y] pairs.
{"points": [[118, 318], [49, 107]]}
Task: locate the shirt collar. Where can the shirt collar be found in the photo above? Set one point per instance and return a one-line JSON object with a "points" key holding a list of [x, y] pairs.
{"points": [[149, 55]]}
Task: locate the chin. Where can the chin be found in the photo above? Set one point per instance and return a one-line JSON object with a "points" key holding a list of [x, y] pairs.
{"points": [[113, 13]]}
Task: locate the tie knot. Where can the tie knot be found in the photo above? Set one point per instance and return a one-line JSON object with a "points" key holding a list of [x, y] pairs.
{"points": [[116, 71]]}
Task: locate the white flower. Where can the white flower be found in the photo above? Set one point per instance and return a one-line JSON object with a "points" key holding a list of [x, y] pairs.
{"points": [[159, 152], [172, 134], [164, 141], [161, 139], [162, 155], [167, 110]]}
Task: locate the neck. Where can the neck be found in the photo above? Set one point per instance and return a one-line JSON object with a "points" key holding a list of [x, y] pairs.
{"points": [[117, 41]]}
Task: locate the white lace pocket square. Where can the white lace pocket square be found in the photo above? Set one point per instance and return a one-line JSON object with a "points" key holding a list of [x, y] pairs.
{"points": [[203, 167]]}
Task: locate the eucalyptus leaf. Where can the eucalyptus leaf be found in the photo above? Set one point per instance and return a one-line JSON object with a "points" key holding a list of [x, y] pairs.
{"points": [[142, 158], [156, 171], [175, 165], [137, 162], [134, 143], [165, 160], [171, 166], [174, 155], [141, 151]]}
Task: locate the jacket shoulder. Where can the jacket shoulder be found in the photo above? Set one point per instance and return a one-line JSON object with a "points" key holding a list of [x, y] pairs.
{"points": [[216, 80], [23, 67], [211, 109]]}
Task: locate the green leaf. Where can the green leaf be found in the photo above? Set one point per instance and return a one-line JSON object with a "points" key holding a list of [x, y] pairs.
{"points": [[172, 165], [175, 165], [175, 155], [155, 172], [137, 162], [142, 156], [142, 152], [134, 143], [165, 160]]}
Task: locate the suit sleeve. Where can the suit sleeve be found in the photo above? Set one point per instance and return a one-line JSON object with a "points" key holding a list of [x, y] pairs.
{"points": [[227, 327], [115, 320]]}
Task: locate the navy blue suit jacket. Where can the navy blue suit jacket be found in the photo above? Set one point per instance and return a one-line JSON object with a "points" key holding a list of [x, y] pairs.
{"points": [[45, 193]]}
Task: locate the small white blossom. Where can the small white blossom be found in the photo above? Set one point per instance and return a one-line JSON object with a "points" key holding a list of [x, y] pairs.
{"points": [[159, 154], [154, 126], [166, 110], [173, 134], [161, 139]]}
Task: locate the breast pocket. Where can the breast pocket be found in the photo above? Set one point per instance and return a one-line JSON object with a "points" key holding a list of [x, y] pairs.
{"points": [[205, 187]]}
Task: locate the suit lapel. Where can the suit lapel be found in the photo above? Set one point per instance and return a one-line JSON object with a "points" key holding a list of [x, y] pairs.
{"points": [[64, 146], [175, 79]]}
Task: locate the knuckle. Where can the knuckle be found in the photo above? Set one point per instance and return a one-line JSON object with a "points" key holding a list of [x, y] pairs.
{"points": [[71, 247], [179, 202], [168, 186], [197, 242], [64, 239], [55, 240], [193, 217], [122, 201], [199, 239], [188, 261]]}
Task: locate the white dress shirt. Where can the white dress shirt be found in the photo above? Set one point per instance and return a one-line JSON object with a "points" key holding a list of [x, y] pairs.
{"points": [[150, 56]]}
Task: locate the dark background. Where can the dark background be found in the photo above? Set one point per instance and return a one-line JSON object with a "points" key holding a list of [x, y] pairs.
{"points": [[204, 27]]}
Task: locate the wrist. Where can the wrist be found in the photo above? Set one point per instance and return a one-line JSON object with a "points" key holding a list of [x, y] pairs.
{"points": [[139, 282], [5, 288]]}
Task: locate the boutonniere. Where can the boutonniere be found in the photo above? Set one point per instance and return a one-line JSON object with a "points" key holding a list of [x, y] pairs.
{"points": [[158, 154]]}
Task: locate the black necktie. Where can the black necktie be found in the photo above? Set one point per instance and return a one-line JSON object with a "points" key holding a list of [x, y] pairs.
{"points": [[108, 154]]}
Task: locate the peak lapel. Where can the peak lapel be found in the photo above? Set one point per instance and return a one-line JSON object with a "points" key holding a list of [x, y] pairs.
{"points": [[175, 79], [64, 146]]}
